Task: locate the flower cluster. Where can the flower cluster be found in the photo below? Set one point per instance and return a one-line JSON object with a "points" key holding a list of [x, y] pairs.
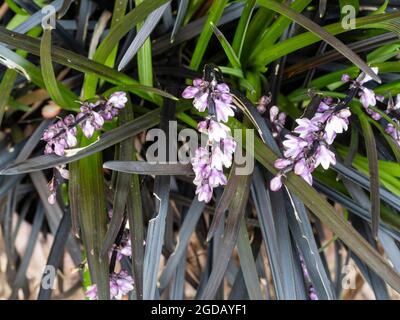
{"points": [[209, 161], [308, 146], [369, 99], [120, 284], [213, 96], [62, 134]]}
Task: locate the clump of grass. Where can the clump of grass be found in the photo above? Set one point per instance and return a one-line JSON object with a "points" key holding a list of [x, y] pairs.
{"points": [[203, 228]]}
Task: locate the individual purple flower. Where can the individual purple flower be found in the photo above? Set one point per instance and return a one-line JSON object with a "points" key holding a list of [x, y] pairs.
{"points": [[276, 183], [118, 99], [92, 120], [323, 106], [204, 192], [367, 97], [216, 178], [345, 78], [312, 293], [324, 156], [215, 130], [282, 163], [228, 145], [63, 171], [199, 92], [220, 159], [305, 127], [304, 169], [200, 159], [224, 108], [124, 248], [293, 146], [336, 123]]}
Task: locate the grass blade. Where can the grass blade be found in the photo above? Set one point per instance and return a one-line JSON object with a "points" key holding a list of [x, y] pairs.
{"points": [[373, 172], [302, 232], [188, 226], [183, 6], [142, 167], [56, 252], [230, 53], [247, 263], [215, 14], [322, 33], [49, 78], [143, 34], [229, 238]]}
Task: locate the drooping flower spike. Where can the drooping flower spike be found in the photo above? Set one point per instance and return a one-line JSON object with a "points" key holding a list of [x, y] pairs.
{"points": [[208, 163], [307, 146]]}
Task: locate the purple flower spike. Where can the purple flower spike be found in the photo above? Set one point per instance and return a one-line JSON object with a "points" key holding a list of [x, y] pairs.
{"points": [[308, 149], [209, 161]]}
